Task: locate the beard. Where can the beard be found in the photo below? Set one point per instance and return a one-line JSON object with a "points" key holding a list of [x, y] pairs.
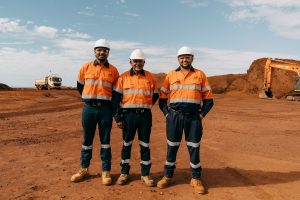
{"points": [[185, 66], [101, 58], [138, 68]]}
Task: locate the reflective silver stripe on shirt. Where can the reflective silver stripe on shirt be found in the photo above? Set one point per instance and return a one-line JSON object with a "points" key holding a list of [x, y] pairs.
{"points": [[87, 147], [137, 92], [165, 90], [207, 88], [195, 166], [105, 146], [185, 100], [136, 106], [173, 143], [118, 90], [102, 83], [81, 82], [185, 87], [192, 144], [146, 162], [125, 161], [127, 143], [170, 163], [89, 96], [144, 144]]}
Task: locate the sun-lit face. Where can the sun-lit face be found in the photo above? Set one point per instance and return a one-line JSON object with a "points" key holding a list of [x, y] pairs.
{"points": [[185, 61], [137, 64], [101, 53]]}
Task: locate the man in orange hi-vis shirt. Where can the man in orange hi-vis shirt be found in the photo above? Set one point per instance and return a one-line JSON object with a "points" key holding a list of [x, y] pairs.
{"points": [[191, 98], [133, 97], [95, 83]]}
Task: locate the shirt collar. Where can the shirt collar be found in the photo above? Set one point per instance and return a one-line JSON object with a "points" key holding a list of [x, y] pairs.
{"points": [[191, 68], [106, 63], [141, 72]]}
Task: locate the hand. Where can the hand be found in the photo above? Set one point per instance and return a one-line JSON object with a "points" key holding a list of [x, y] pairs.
{"points": [[120, 124], [201, 116]]}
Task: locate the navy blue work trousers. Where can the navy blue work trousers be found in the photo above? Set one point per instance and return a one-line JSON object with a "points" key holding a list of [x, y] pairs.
{"points": [[140, 121], [191, 124], [91, 117]]}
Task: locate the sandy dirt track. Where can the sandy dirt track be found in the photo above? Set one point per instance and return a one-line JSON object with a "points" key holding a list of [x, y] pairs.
{"points": [[250, 150]]}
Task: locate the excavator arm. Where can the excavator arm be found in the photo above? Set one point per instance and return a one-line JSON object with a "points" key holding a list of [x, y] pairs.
{"points": [[278, 64]]}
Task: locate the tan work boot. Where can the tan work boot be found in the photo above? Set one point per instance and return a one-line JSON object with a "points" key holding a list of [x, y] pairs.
{"points": [[148, 181], [80, 175], [106, 179], [198, 186], [122, 180], [164, 182]]}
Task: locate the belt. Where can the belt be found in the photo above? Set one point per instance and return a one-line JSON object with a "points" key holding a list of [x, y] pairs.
{"points": [[184, 112], [96, 103], [135, 110]]}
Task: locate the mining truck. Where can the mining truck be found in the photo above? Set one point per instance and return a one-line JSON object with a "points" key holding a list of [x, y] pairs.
{"points": [[266, 92], [52, 81]]}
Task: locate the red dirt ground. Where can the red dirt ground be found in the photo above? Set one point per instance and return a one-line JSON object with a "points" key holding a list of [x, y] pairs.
{"points": [[249, 149]]}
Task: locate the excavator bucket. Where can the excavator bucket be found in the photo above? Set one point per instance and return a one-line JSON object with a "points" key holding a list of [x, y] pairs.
{"points": [[265, 94]]}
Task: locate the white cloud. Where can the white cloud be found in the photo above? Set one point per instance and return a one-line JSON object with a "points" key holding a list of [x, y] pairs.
{"points": [[45, 31], [45, 48], [17, 43], [9, 25], [121, 44], [73, 34], [131, 14], [281, 17], [120, 1], [194, 3], [86, 13]]}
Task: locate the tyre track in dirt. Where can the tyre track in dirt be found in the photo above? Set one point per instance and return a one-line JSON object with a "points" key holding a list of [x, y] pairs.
{"points": [[39, 111]]}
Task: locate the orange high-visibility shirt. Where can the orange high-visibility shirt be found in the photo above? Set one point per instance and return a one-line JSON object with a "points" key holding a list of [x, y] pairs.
{"points": [[191, 88], [137, 89], [98, 80]]}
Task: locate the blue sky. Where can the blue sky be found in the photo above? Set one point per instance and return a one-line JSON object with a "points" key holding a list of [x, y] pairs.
{"points": [[58, 35]]}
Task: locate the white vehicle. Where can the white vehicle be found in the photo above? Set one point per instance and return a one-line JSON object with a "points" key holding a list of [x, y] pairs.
{"points": [[52, 81]]}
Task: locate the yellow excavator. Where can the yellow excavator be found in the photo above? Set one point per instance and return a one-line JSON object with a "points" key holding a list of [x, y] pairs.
{"points": [[266, 92]]}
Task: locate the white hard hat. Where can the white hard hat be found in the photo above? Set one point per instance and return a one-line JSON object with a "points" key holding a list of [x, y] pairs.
{"points": [[102, 43], [185, 51], [137, 54]]}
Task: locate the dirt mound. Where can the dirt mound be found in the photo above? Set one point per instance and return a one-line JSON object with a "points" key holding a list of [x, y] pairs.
{"points": [[251, 83], [4, 87], [160, 78], [221, 84]]}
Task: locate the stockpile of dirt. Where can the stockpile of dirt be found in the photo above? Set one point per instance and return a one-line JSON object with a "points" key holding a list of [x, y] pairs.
{"points": [[251, 83], [159, 78], [4, 87], [221, 84]]}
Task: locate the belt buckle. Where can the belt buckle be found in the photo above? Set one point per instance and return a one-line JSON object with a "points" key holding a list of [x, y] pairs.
{"points": [[98, 103], [140, 110]]}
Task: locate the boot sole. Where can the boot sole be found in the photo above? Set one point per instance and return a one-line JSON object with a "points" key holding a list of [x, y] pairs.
{"points": [[148, 184]]}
